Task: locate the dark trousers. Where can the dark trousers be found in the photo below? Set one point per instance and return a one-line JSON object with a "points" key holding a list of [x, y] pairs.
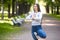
{"points": [[38, 29]]}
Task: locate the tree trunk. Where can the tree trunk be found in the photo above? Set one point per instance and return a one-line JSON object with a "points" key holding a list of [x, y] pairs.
{"points": [[9, 11], [52, 9], [20, 10], [13, 1], [16, 8], [2, 9], [47, 8], [57, 9]]}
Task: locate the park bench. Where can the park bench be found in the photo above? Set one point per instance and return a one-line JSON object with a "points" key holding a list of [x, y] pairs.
{"points": [[18, 21]]}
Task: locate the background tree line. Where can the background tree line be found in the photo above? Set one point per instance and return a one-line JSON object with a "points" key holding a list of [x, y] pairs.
{"points": [[54, 5], [18, 7]]}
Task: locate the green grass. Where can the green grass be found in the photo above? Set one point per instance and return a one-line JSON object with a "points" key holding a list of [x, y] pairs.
{"points": [[22, 16], [55, 16], [7, 29], [5, 14]]}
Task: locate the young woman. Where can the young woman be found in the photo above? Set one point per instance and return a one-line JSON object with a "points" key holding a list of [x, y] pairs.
{"points": [[36, 17]]}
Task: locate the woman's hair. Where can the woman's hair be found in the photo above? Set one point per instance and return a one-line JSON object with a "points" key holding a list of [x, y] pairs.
{"points": [[38, 7]]}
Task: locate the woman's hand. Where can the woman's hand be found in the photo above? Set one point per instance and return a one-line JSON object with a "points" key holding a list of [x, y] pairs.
{"points": [[33, 16]]}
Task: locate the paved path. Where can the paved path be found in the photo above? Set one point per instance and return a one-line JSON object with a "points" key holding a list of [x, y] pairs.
{"points": [[50, 25]]}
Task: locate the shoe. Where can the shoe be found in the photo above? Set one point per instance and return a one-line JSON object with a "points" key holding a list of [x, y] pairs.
{"points": [[36, 39]]}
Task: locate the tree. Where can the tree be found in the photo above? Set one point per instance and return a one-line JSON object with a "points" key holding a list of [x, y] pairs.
{"points": [[0, 5], [49, 3], [24, 6], [9, 10], [2, 8], [8, 3], [57, 3], [13, 7], [16, 4]]}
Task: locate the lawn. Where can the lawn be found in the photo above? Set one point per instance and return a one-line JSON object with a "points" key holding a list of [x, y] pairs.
{"points": [[55, 16], [6, 29]]}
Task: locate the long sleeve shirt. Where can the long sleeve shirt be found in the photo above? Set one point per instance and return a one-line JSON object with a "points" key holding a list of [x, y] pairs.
{"points": [[37, 19]]}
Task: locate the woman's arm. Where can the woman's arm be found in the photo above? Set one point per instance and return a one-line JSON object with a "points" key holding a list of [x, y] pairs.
{"points": [[29, 17]]}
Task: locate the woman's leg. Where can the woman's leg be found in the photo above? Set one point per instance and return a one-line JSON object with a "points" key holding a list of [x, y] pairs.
{"points": [[33, 35], [41, 33]]}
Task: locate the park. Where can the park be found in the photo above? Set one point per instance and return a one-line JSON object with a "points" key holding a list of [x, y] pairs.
{"points": [[13, 29]]}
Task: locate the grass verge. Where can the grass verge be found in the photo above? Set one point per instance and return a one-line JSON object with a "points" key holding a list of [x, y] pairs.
{"points": [[7, 29], [55, 16]]}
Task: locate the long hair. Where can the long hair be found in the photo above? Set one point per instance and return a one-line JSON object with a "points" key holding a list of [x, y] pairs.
{"points": [[38, 7]]}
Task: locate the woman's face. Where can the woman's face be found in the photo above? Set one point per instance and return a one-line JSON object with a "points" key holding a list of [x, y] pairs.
{"points": [[35, 8]]}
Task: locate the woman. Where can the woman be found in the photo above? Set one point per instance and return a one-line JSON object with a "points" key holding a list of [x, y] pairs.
{"points": [[36, 18]]}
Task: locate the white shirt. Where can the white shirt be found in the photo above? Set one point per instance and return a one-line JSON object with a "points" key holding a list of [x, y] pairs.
{"points": [[38, 18]]}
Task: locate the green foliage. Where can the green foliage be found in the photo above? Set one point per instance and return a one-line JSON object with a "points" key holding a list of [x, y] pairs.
{"points": [[49, 2], [6, 2], [0, 1], [26, 4], [57, 2], [22, 16], [5, 14], [28, 1]]}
